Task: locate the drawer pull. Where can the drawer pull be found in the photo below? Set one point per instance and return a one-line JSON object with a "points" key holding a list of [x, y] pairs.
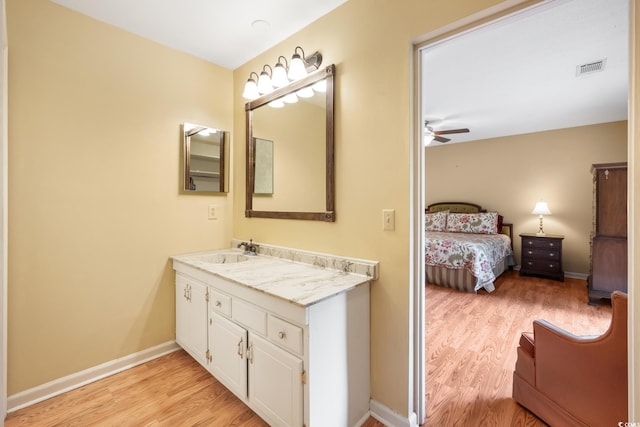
{"points": [[530, 242], [552, 244], [529, 263], [218, 304], [281, 335], [552, 265], [529, 252], [250, 353], [552, 254]]}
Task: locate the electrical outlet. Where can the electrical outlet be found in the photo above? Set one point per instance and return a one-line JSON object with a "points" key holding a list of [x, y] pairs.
{"points": [[212, 212], [388, 219]]}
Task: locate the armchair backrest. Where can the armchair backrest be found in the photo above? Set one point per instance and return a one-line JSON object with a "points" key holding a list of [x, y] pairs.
{"points": [[586, 375]]}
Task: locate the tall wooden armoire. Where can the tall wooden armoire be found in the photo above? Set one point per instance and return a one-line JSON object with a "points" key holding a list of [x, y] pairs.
{"points": [[609, 237]]}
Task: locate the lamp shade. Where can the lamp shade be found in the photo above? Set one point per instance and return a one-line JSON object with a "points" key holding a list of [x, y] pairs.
{"points": [[297, 69], [250, 90], [541, 208]]}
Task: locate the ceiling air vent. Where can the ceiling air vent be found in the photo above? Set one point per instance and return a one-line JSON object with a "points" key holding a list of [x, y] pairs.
{"points": [[590, 68]]}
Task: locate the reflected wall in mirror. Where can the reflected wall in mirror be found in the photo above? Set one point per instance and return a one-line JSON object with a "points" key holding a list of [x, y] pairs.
{"points": [[301, 133], [205, 156]]}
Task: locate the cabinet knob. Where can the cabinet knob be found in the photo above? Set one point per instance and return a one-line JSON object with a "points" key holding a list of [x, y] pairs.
{"points": [[530, 242], [281, 335], [552, 265], [552, 244], [530, 252], [529, 263], [218, 304], [552, 254]]}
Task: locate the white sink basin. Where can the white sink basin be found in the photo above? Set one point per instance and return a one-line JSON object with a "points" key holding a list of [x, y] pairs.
{"points": [[223, 258]]}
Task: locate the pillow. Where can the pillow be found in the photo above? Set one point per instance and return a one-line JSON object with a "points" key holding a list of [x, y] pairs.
{"points": [[435, 221], [481, 223]]}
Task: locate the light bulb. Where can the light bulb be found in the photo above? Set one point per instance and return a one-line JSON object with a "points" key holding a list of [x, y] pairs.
{"points": [[276, 103], [320, 86], [251, 90], [297, 70], [290, 99], [264, 83], [305, 92], [280, 78]]}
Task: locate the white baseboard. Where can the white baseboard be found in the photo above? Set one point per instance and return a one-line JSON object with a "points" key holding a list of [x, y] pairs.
{"points": [[78, 379], [569, 274], [390, 418]]}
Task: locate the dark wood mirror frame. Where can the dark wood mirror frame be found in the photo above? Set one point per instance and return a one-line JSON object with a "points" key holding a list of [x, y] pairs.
{"points": [[328, 74]]}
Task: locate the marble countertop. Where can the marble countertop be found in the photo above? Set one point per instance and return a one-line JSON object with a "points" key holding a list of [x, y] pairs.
{"points": [[299, 283]]}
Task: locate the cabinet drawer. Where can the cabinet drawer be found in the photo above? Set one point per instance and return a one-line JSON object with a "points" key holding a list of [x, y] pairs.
{"points": [[249, 315], [220, 302], [541, 254], [536, 265], [285, 334], [541, 243]]}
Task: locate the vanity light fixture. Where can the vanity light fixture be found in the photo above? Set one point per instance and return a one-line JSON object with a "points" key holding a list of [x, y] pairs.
{"points": [[541, 209], [279, 78], [282, 74], [264, 81], [251, 87]]}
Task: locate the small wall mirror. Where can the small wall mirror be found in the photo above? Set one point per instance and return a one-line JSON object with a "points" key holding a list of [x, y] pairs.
{"points": [[205, 156], [290, 149]]}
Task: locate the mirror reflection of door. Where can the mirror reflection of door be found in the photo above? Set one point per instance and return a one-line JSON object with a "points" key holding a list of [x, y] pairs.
{"points": [[263, 184], [204, 154]]}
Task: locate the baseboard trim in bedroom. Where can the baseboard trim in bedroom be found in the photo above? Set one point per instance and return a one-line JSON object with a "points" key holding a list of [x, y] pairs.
{"points": [[78, 379], [569, 274], [390, 418]]}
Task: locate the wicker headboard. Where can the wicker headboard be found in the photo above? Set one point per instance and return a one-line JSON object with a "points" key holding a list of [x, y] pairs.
{"points": [[464, 207], [455, 207]]}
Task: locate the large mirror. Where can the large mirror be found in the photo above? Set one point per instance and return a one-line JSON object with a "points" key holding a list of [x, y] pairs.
{"points": [[290, 164], [205, 157]]}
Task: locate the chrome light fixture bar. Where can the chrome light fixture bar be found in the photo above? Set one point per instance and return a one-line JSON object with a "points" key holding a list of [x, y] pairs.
{"points": [[282, 74]]}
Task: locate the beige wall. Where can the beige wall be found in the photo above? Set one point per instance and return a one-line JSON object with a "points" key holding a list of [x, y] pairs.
{"points": [[94, 177], [511, 174], [371, 44]]}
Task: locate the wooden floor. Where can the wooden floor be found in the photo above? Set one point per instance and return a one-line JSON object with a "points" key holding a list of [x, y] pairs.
{"points": [[472, 340], [471, 349]]}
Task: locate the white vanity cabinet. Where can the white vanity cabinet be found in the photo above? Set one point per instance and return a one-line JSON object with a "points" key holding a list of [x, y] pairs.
{"points": [[191, 317], [294, 365]]}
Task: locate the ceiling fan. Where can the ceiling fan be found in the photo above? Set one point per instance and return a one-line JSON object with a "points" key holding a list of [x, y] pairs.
{"points": [[435, 134]]}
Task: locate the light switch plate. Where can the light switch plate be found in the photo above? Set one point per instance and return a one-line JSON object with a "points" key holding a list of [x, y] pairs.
{"points": [[388, 219], [212, 212]]}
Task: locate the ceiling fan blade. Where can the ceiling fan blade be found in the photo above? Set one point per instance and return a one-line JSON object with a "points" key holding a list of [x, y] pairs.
{"points": [[441, 139], [447, 132]]}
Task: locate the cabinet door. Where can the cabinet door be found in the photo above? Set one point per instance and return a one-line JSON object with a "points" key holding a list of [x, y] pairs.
{"points": [[275, 383], [191, 317], [228, 346], [611, 203], [609, 265]]}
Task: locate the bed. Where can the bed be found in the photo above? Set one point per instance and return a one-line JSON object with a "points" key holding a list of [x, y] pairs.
{"points": [[466, 247]]}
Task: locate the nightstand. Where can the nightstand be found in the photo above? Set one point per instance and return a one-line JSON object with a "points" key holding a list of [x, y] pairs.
{"points": [[542, 256]]}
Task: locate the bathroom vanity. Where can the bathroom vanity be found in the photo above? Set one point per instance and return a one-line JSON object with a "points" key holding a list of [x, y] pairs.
{"points": [[286, 331]]}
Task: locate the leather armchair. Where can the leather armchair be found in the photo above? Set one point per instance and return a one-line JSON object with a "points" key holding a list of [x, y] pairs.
{"points": [[569, 380]]}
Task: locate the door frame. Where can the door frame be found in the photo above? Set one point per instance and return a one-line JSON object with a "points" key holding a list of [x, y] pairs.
{"points": [[417, 376]]}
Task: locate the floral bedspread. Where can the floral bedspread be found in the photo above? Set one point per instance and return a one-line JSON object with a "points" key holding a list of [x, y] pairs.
{"points": [[478, 253]]}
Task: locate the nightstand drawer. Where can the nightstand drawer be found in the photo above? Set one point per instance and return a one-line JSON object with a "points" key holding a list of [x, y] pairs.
{"points": [[541, 266], [541, 254], [541, 243]]}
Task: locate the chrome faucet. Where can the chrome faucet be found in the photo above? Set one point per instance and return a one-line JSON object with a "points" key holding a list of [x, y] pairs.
{"points": [[249, 248]]}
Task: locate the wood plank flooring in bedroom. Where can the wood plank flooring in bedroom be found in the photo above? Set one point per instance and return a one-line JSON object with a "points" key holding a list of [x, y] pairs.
{"points": [[472, 340], [471, 353]]}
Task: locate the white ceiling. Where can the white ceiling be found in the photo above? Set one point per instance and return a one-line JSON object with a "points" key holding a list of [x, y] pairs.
{"points": [[220, 31], [519, 75]]}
